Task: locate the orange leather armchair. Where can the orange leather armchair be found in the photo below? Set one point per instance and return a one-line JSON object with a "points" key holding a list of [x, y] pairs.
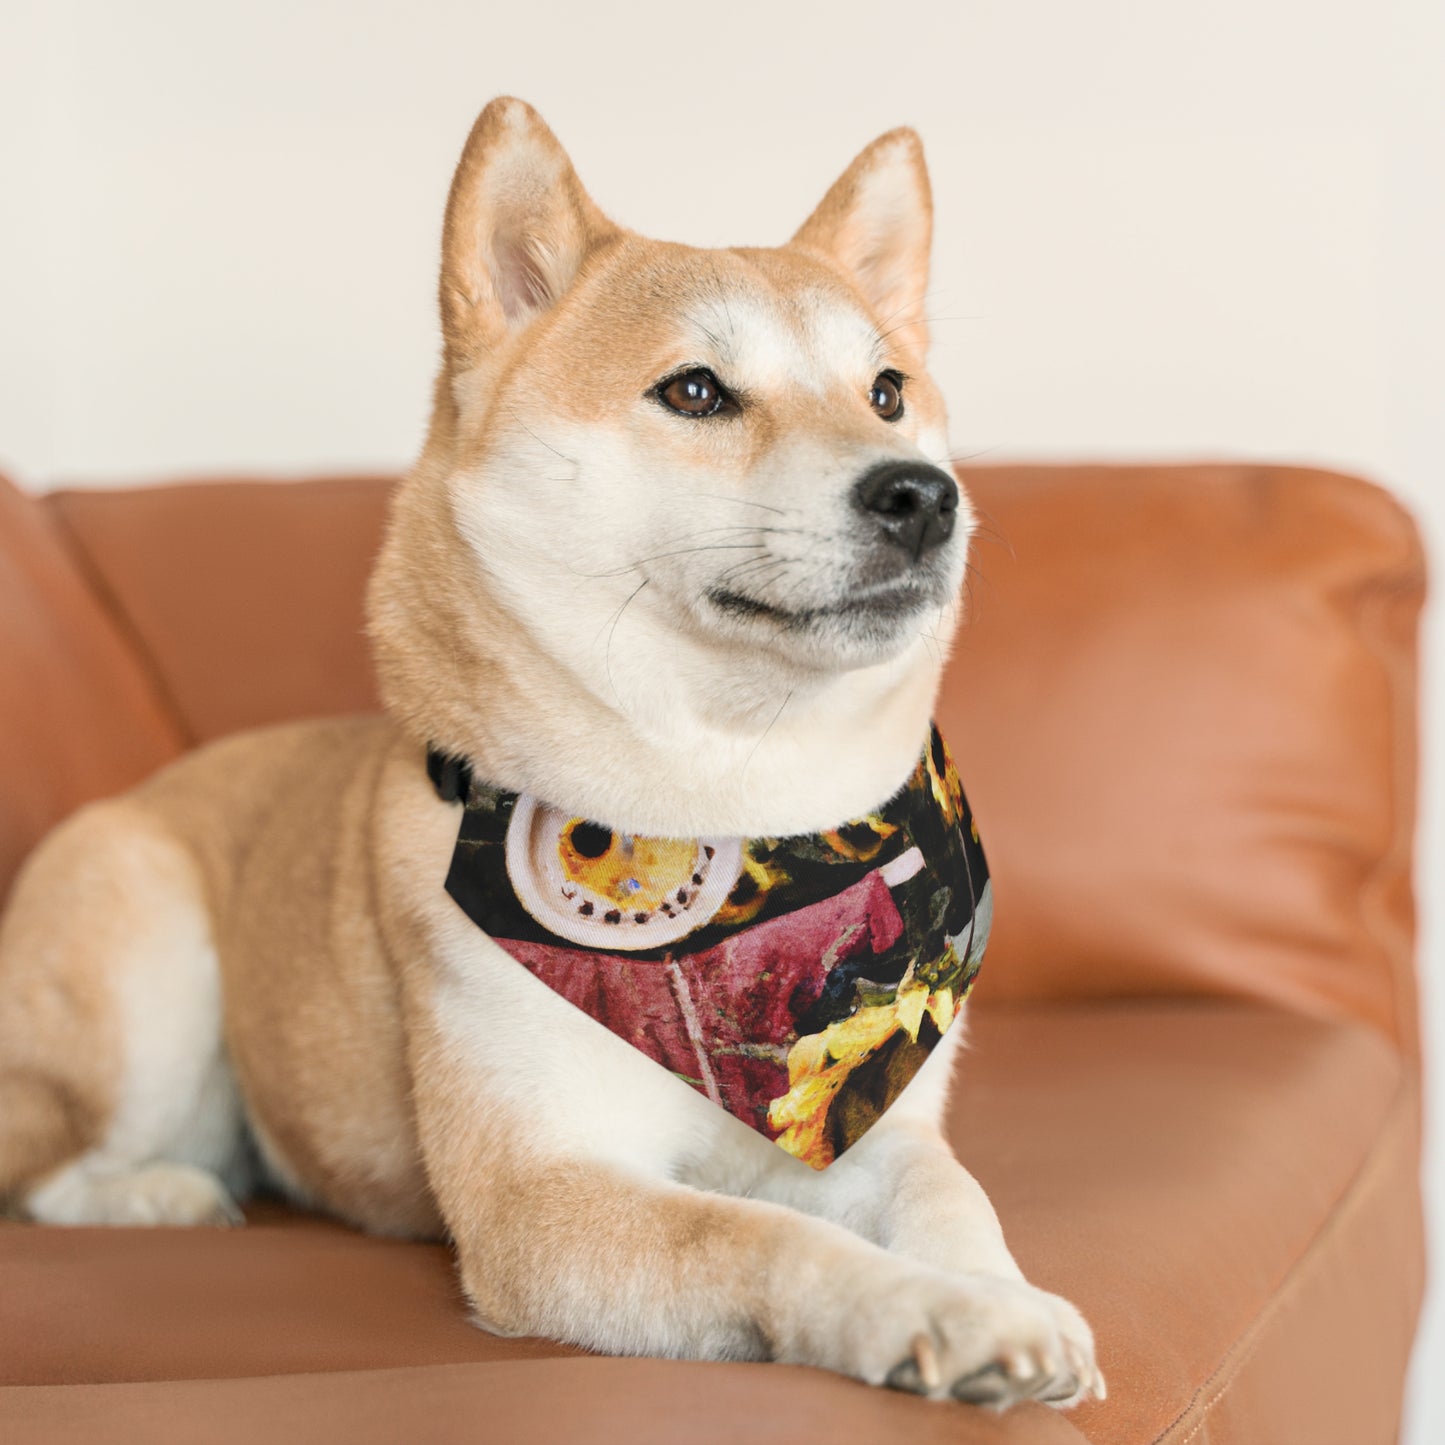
{"points": [[1184, 708]]}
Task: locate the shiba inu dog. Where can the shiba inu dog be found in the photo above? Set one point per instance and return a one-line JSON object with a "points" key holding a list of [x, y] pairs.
{"points": [[678, 554]]}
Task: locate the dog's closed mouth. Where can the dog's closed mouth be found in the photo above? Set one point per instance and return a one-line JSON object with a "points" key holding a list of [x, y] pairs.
{"points": [[876, 603]]}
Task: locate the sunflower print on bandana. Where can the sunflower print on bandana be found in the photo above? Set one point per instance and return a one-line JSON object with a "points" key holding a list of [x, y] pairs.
{"points": [[799, 983]]}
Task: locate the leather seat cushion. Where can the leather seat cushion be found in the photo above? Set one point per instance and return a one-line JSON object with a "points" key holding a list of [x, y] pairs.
{"points": [[1222, 1188]]}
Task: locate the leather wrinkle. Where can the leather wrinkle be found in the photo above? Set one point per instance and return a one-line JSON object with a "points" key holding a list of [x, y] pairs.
{"points": [[124, 622]]}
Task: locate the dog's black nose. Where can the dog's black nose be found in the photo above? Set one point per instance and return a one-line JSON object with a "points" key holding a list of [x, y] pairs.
{"points": [[915, 504]]}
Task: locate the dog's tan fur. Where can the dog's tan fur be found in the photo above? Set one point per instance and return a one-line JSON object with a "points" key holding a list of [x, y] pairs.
{"points": [[260, 931]]}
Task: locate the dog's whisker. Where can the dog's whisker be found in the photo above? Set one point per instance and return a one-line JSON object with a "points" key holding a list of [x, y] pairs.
{"points": [[743, 502], [749, 527], [961, 457], [932, 319], [737, 569], [762, 576], [571, 461], [990, 532], [678, 552], [971, 574], [930, 637], [705, 547], [607, 654], [762, 737], [799, 583], [819, 538]]}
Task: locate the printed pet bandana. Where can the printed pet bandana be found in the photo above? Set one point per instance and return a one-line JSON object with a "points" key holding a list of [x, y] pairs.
{"points": [[798, 982]]}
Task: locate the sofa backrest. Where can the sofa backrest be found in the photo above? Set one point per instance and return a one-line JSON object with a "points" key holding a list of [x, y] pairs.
{"points": [[80, 716], [1185, 711], [246, 596], [1183, 704]]}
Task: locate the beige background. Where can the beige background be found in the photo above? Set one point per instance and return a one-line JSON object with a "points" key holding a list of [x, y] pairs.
{"points": [[1165, 229]]}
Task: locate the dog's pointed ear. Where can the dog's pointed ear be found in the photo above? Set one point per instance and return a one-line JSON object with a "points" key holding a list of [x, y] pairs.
{"points": [[877, 223], [518, 228]]}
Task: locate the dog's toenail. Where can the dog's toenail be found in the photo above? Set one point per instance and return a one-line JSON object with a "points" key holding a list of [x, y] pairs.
{"points": [[926, 1358], [1020, 1364]]}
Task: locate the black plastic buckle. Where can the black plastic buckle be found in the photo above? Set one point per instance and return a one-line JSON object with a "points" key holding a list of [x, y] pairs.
{"points": [[451, 776]]}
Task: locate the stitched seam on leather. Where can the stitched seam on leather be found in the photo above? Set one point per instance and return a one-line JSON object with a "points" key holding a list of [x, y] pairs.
{"points": [[125, 624], [1241, 1352]]}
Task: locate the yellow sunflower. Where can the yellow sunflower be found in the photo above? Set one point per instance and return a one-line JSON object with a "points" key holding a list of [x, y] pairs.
{"points": [[819, 1064]]}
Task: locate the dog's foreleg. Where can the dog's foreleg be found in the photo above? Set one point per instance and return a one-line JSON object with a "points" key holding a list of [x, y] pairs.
{"points": [[900, 1184], [612, 1256], [591, 1254], [900, 1187]]}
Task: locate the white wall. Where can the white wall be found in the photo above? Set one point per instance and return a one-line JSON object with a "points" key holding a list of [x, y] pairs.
{"points": [[1164, 228]]}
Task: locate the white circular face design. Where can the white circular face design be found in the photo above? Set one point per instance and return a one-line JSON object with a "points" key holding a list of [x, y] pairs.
{"points": [[608, 890]]}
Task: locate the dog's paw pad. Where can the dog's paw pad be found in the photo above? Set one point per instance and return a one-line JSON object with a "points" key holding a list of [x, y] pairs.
{"points": [[988, 1386], [904, 1376]]}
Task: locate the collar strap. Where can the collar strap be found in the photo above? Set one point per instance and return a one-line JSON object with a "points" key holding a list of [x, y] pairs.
{"points": [[450, 775]]}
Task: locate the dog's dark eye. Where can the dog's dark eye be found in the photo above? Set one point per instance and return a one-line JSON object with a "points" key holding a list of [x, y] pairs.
{"points": [[886, 398], [694, 393]]}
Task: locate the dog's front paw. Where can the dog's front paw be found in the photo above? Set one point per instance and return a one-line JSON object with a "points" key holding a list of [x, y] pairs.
{"points": [[979, 1338]]}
